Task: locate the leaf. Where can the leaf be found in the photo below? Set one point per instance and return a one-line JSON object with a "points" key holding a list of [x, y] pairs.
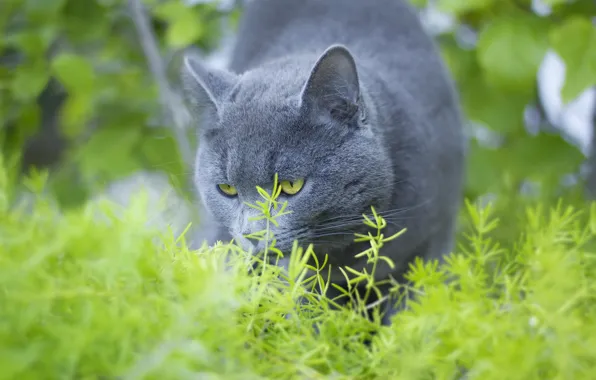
{"points": [[510, 50], [184, 27], [29, 80], [463, 6], [74, 72], [85, 21], [575, 42], [29, 120], [77, 76], [108, 154], [171, 10], [483, 170], [419, 3], [68, 187], [48, 6], [184, 31], [574, 8], [554, 2], [159, 151], [32, 42], [498, 110], [77, 110], [544, 158], [26, 121], [14, 363], [43, 9]]}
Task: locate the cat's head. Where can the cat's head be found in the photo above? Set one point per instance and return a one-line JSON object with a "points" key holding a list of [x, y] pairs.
{"points": [[309, 125]]}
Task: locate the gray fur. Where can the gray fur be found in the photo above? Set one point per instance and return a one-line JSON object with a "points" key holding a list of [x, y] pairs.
{"points": [[350, 95]]}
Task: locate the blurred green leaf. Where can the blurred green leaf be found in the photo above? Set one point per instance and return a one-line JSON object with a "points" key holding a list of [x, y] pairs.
{"points": [[462, 6], [159, 150], [69, 188], [43, 9], [84, 21], [7, 11], [32, 42], [28, 120], [574, 8], [545, 158], [575, 41], [510, 49], [184, 27], [555, 2], [419, 3], [484, 170], [108, 154], [77, 76], [74, 72], [29, 80], [76, 111], [170, 10], [24, 122], [496, 109], [184, 31]]}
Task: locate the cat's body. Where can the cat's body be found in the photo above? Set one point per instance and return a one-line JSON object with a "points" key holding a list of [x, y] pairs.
{"points": [[385, 132]]}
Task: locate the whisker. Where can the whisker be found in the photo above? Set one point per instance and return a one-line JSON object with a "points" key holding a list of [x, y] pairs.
{"points": [[358, 218], [315, 236], [386, 213]]}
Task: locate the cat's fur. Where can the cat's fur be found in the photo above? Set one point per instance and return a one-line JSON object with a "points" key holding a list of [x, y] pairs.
{"points": [[353, 97]]}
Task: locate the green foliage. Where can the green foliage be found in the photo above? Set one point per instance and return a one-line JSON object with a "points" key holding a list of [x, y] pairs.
{"points": [[575, 41], [114, 126], [510, 49], [183, 28], [496, 78], [110, 111], [458, 6], [93, 292], [89, 290]]}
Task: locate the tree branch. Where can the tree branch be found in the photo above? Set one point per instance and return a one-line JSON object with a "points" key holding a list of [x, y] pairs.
{"points": [[177, 114]]}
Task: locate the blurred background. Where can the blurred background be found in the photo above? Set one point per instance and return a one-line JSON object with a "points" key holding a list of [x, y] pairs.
{"points": [[89, 92]]}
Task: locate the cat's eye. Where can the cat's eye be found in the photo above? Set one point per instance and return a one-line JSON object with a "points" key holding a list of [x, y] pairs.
{"points": [[292, 187], [228, 190]]}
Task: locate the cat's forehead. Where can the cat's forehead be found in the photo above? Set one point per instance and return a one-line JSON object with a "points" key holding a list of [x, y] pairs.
{"points": [[258, 144], [267, 137], [258, 85], [259, 115]]}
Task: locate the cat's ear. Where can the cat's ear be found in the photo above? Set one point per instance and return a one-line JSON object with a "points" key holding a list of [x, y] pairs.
{"points": [[333, 89], [205, 87]]}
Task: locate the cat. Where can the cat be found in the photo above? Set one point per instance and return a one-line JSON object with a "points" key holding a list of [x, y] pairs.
{"points": [[351, 105]]}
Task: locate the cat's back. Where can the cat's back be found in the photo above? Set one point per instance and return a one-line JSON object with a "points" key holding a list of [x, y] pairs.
{"points": [[386, 36], [272, 29]]}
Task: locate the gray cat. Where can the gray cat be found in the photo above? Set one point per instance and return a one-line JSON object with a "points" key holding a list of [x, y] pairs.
{"points": [[349, 102]]}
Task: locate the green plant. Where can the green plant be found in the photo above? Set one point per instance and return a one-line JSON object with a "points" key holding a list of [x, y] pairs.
{"points": [[90, 290], [94, 292], [303, 261], [495, 68], [77, 94]]}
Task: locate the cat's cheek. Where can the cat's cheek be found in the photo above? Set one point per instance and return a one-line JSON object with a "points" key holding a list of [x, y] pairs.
{"points": [[302, 205], [223, 209]]}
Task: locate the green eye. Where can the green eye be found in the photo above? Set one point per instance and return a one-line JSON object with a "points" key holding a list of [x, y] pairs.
{"points": [[292, 187], [228, 190]]}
